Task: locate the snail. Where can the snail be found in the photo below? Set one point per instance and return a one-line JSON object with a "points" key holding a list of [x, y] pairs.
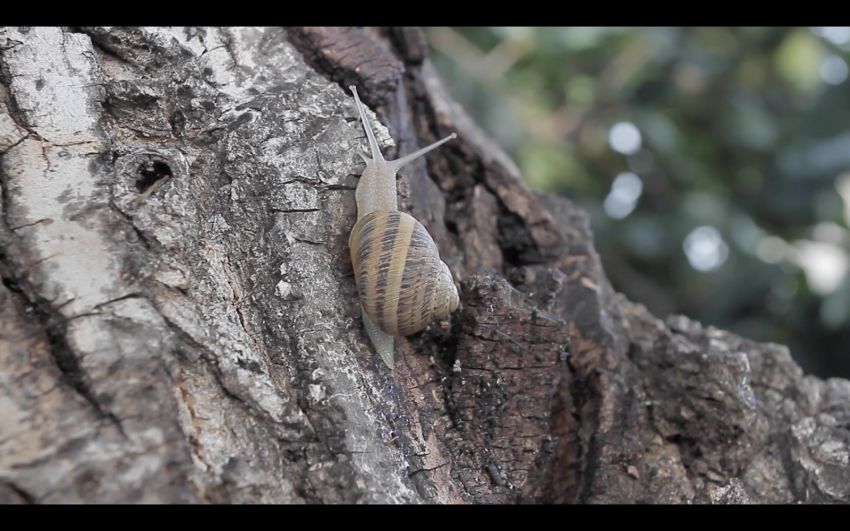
{"points": [[401, 281]]}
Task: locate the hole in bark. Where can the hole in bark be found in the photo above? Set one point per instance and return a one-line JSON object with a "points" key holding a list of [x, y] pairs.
{"points": [[178, 123], [518, 247], [150, 173], [451, 226]]}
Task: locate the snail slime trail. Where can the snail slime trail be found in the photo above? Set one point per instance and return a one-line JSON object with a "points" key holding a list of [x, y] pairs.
{"points": [[402, 283]]}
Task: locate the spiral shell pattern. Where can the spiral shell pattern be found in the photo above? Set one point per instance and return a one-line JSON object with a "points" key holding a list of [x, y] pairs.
{"points": [[402, 283]]}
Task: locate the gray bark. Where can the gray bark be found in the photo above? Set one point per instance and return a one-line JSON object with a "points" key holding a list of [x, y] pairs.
{"points": [[180, 324]]}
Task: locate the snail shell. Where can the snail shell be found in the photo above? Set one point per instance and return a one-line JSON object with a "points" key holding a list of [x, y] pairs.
{"points": [[402, 283]]}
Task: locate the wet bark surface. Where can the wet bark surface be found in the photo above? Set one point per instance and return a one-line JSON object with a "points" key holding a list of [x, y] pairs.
{"points": [[179, 322]]}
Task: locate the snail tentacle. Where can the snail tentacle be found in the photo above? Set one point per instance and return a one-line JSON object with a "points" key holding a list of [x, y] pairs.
{"points": [[373, 142]]}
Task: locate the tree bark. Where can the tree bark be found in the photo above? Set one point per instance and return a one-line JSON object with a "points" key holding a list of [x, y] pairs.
{"points": [[180, 321]]}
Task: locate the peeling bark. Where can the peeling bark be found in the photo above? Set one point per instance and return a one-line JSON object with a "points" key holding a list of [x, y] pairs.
{"points": [[180, 323]]}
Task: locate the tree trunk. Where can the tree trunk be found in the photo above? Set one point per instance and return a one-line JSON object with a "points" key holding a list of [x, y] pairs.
{"points": [[180, 321]]}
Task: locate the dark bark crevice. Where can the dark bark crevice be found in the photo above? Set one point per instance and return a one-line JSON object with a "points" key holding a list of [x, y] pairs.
{"points": [[24, 496], [55, 331]]}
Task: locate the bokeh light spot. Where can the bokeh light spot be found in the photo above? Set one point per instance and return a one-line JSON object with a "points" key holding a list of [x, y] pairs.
{"points": [[705, 248], [624, 138], [833, 70], [835, 34], [771, 249], [825, 264], [624, 194]]}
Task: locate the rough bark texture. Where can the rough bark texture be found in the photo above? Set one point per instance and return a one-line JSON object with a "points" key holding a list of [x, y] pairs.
{"points": [[180, 323]]}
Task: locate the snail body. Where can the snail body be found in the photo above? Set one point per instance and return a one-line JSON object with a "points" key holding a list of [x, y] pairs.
{"points": [[401, 281]]}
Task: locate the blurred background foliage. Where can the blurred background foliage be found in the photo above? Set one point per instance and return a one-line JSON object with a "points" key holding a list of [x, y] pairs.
{"points": [[714, 163]]}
